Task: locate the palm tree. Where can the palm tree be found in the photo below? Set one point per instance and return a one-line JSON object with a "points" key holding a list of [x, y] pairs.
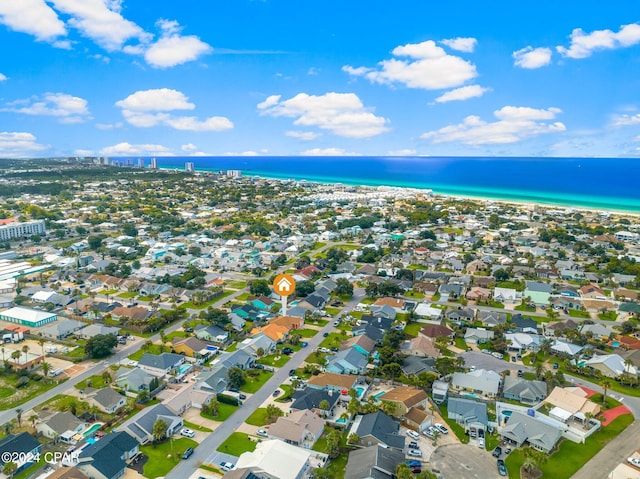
{"points": [[604, 384], [46, 367], [25, 350], [33, 419], [539, 370], [93, 410], [533, 459], [324, 405], [159, 430], [19, 416], [41, 342], [16, 356]]}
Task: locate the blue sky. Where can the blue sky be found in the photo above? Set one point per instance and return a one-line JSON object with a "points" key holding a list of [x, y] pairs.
{"points": [[276, 77]]}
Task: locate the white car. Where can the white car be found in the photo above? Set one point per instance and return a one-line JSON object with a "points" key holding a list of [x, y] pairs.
{"points": [[186, 432], [414, 452], [481, 442], [412, 434], [441, 428], [262, 432], [496, 355], [227, 466], [634, 461]]}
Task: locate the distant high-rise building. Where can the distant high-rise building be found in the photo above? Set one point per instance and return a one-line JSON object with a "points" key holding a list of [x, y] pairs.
{"points": [[140, 162], [105, 161], [154, 164], [189, 166], [234, 173], [11, 228]]}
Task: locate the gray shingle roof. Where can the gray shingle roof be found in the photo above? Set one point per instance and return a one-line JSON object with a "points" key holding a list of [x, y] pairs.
{"points": [[160, 361], [383, 428]]}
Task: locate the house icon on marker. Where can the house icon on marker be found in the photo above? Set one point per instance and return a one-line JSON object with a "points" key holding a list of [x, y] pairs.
{"points": [[284, 285]]}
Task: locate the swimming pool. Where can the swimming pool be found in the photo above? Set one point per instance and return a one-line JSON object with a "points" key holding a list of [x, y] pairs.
{"points": [[88, 432], [90, 440], [341, 420], [378, 395], [360, 390], [184, 368], [615, 344]]}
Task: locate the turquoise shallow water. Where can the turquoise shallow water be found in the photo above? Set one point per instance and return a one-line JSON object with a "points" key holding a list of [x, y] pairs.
{"points": [[596, 183]]}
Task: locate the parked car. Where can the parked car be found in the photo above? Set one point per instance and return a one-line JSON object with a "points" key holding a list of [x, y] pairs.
{"points": [[429, 432], [186, 432], [188, 330], [242, 396], [276, 393], [292, 372], [413, 463], [324, 335], [336, 323], [416, 469], [481, 442], [412, 434], [187, 453], [520, 373], [227, 466], [335, 349], [502, 470], [413, 445], [262, 432], [414, 453], [634, 461], [496, 355], [497, 452], [441, 428], [507, 451], [556, 365], [287, 350]]}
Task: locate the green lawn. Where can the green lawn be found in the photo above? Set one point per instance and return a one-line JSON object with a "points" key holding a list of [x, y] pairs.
{"points": [[412, 329], [459, 343], [32, 468], [274, 360], [414, 294], [128, 294], [97, 382], [333, 340], [154, 349], [524, 307], [332, 311], [288, 390], [258, 417], [511, 284], [613, 386], [577, 313], [255, 380], [608, 316], [177, 334], [570, 456], [237, 443], [610, 402], [243, 297], [78, 352], [224, 411], [23, 394], [316, 358], [236, 284], [6, 392], [196, 427], [306, 333], [163, 457]]}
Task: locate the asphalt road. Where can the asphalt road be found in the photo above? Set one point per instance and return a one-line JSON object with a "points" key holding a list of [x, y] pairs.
{"points": [[456, 461], [213, 441]]}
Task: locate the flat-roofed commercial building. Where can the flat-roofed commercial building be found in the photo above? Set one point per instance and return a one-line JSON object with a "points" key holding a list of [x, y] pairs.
{"points": [[15, 229]]}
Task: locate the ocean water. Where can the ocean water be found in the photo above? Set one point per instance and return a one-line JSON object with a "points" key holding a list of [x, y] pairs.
{"points": [[599, 183]]}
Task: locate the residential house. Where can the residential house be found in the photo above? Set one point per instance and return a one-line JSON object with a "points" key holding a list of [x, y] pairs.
{"points": [[492, 319], [61, 329], [62, 426], [262, 303], [520, 342], [275, 332], [191, 347], [405, 398], [524, 390], [505, 295], [478, 294], [22, 446], [363, 344], [598, 331], [160, 364], [274, 459], [331, 381], [477, 336], [437, 331], [425, 310], [523, 325], [310, 398], [566, 349], [418, 418], [236, 359], [348, 361], [215, 381], [289, 322], [107, 400], [373, 462], [522, 428], [592, 291], [450, 292], [538, 292], [314, 302], [212, 333], [300, 428], [483, 382], [378, 428], [420, 346], [461, 316], [140, 426], [571, 402], [256, 344], [560, 328], [134, 380], [95, 329], [468, 413], [414, 365], [611, 365], [398, 304], [383, 311], [108, 457], [439, 391]]}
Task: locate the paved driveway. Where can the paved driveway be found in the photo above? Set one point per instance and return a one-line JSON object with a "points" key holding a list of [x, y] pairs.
{"points": [[487, 361], [458, 461]]}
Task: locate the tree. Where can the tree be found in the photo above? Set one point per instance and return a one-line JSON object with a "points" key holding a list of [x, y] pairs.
{"points": [[19, 416], [353, 438], [344, 287], [9, 468], [333, 443], [106, 377], [388, 408], [273, 413], [260, 287], [533, 459], [305, 288], [539, 369], [501, 275], [100, 346], [236, 377], [16, 356], [321, 473], [159, 430], [605, 384], [403, 471], [324, 405], [33, 418], [95, 242]]}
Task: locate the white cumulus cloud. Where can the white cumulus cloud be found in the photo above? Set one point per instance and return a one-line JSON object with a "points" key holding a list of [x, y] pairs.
{"points": [[584, 44], [462, 93], [343, 114], [101, 21], [625, 119], [427, 66], [531, 58], [461, 44], [34, 17], [174, 49], [3, 77], [69, 108], [303, 135], [513, 124], [147, 108], [405, 152], [15, 144], [126, 149], [328, 152]]}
